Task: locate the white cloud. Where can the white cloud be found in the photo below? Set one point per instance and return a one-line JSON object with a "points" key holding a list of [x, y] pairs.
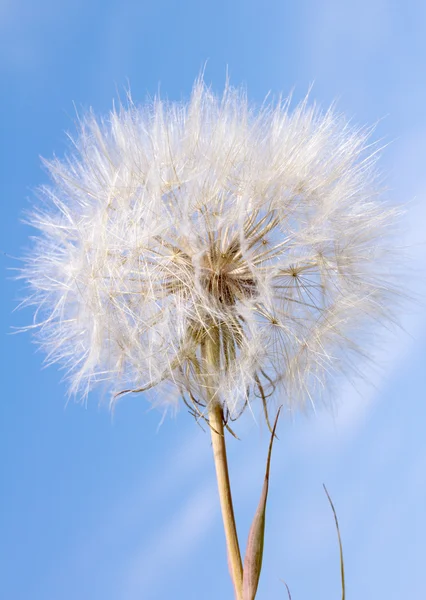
{"points": [[163, 554]]}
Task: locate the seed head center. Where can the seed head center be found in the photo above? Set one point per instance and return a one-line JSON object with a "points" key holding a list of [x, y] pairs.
{"points": [[226, 277]]}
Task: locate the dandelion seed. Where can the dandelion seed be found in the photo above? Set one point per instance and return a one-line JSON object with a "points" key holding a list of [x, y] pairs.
{"points": [[173, 224]]}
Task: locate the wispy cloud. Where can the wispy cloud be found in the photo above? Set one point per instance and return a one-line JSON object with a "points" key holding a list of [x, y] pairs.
{"points": [[163, 554]]}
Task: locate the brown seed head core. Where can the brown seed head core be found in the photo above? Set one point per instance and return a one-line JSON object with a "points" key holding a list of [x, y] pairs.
{"points": [[226, 275]]}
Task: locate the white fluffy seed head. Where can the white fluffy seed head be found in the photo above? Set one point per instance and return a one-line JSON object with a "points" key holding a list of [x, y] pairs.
{"points": [[173, 224]]}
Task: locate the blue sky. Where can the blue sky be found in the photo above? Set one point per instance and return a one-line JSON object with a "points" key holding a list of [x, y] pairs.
{"points": [[116, 507]]}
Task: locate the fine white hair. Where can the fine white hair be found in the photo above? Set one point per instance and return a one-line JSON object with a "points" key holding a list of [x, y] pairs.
{"points": [[171, 219]]}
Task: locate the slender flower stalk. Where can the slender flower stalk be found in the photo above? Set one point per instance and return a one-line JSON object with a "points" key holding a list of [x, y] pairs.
{"points": [[211, 355], [224, 486], [213, 253]]}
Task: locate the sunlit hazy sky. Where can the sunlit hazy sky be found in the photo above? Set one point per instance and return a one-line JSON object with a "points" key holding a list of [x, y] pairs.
{"points": [[118, 508]]}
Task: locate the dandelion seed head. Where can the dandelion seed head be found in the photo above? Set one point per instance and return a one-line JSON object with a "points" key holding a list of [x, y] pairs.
{"points": [[172, 221]]}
